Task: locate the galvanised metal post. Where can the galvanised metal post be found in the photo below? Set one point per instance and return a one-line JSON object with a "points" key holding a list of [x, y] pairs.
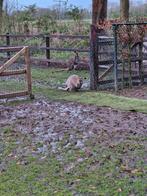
{"points": [[115, 27]]}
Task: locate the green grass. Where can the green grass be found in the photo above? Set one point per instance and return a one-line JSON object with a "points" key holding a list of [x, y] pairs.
{"points": [[55, 76], [102, 173], [48, 78], [12, 85], [96, 98]]}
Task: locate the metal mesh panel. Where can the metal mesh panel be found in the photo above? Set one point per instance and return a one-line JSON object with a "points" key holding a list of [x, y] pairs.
{"points": [[15, 78], [70, 49], [122, 57], [15, 83], [105, 60], [130, 40], [52, 48]]}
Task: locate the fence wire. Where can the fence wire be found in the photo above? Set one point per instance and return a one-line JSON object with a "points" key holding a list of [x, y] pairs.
{"points": [[122, 56], [130, 53], [54, 48], [15, 83]]}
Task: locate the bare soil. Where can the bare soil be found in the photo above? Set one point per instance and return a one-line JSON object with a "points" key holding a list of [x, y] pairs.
{"points": [[52, 123], [139, 92]]}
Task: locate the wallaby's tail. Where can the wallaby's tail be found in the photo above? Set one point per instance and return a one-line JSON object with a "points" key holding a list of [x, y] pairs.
{"points": [[64, 89]]}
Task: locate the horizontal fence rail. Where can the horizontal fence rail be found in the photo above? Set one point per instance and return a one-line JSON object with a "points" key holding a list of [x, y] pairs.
{"points": [[69, 44], [48, 48], [7, 70], [49, 44]]}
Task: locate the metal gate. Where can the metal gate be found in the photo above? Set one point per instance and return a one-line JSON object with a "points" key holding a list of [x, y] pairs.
{"points": [[118, 60]]}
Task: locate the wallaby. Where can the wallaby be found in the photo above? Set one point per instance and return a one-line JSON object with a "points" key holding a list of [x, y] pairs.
{"points": [[73, 83]]}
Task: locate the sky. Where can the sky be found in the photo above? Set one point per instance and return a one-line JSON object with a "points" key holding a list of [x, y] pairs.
{"points": [[49, 3]]}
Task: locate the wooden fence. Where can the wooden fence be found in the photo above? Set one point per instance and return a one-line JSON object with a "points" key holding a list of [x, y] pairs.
{"points": [[26, 71], [47, 46], [96, 62]]}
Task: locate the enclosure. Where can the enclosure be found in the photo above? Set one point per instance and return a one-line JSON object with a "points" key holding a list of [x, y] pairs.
{"points": [[114, 57], [125, 55]]}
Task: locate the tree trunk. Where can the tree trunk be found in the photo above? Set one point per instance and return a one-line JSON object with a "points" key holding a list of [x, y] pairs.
{"points": [[93, 59], [124, 10], [1, 14], [99, 11]]}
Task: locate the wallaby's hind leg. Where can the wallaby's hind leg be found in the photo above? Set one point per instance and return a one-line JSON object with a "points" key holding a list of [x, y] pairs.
{"points": [[66, 89]]}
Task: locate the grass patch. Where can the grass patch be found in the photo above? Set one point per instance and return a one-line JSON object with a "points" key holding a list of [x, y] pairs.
{"points": [[96, 98], [113, 170], [103, 173], [49, 78], [57, 76]]}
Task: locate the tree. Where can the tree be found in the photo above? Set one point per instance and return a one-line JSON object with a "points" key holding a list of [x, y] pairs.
{"points": [[46, 23], [27, 17], [76, 14], [1, 7], [99, 10], [1, 12], [124, 10]]}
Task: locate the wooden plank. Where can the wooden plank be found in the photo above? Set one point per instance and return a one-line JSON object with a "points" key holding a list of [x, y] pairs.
{"points": [[101, 63], [140, 62], [13, 72], [11, 48], [23, 36], [12, 60], [93, 59], [14, 94], [8, 44], [64, 49], [60, 36], [106, 72], [28, 73], [120, 79], [47, 40], [70, 36]]}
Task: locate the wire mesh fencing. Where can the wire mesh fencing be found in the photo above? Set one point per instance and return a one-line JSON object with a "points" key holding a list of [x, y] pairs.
{"points": [[51, 49], [129, 54], [15, 78]]}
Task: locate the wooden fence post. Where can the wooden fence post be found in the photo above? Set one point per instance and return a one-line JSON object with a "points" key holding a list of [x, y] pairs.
{"points": [[115, 58], [140, 62], [28, 72], [47, 40], [93, 59], [8, 44]]}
